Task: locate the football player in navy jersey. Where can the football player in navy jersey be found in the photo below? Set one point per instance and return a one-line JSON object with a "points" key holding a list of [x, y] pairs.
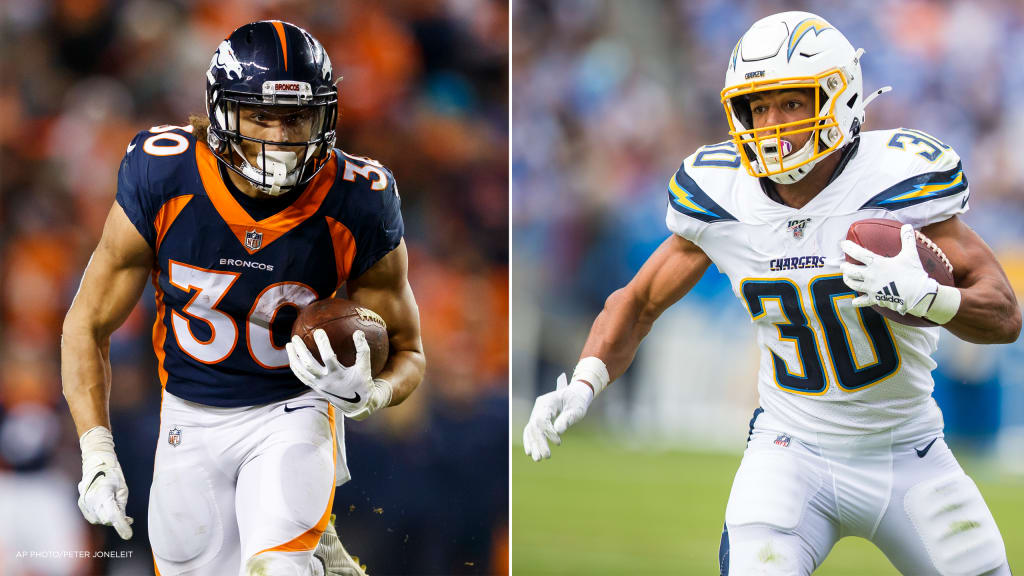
{"points": [[238, 220]]}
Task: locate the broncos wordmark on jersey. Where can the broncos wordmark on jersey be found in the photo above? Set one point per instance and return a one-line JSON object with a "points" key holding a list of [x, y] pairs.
{"points": [[228, 285]]}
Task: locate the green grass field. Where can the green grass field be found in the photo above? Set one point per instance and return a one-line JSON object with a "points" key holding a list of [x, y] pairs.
{"points": [[598, 508]]}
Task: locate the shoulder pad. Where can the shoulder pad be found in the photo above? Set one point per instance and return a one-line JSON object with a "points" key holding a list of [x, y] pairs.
{"points": [[157, 166], [370, 207], [920, 167], [700, 178], [365, 172], [696, 193], [929, 152], [163, 141], [158, 151]]}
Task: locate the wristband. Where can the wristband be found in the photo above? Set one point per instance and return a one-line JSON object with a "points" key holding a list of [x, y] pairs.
{"points": [[944, 306], [384, 388], [379, 397], [96, 439], [592, 371]]}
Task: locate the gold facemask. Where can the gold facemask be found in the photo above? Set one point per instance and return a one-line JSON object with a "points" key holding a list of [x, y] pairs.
{"points": [[754, 140]]}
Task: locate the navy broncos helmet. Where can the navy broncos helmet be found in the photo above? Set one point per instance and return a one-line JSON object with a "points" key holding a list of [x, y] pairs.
{"points": [[276, 65]]}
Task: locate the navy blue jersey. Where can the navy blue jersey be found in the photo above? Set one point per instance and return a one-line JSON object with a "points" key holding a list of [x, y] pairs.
{"points": [[228, 287]]}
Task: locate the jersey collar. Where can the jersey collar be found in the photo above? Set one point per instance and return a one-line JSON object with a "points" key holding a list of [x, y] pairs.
{"points": [[272, 227], [848, 152]]}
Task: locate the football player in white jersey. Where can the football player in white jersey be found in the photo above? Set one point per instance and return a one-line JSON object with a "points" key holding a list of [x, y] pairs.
{"points": [[848, 441]]}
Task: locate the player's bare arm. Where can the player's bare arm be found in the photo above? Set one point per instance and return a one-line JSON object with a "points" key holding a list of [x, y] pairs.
{"points": [[989, 312], [110, 288], [795, 106], [670, 272], [385, 289], [630, 312]]}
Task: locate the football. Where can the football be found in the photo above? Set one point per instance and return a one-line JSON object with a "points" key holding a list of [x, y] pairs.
{"points": [[882, 237], [340, 318]]}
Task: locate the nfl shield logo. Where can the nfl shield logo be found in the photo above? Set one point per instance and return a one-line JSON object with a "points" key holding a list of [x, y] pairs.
{"points": [[782, 440], [797, 227], [253, 239], [174, 437]]}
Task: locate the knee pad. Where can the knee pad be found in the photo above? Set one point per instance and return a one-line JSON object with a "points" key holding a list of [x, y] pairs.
{"points": [[762, 551], [769, 497], [303, 474], [956, 525], [771, 488], [183, 519], [281, 497]]}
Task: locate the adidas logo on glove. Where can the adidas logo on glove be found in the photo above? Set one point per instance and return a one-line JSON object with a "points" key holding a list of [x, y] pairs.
{"points": [[889, 294]]}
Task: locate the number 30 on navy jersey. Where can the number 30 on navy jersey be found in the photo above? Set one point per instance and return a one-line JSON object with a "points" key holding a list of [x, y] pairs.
{"points": [[228, 286]]}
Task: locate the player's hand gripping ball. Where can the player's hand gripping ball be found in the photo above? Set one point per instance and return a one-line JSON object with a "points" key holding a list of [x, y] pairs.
{"points": [[340, 318], [901, 279], [337, 349]]}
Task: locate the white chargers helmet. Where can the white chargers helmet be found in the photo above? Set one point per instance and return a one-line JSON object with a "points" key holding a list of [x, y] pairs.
{"points": [[794, 50]]}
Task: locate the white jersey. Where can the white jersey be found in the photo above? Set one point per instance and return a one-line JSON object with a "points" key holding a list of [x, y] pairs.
{"points": [[826, 367]]}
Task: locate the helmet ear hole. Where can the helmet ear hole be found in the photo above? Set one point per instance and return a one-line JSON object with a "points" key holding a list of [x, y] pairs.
{"points": [[794, 50], [741, 107]]}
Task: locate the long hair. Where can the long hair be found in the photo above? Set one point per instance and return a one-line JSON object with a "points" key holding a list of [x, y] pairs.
{"points": [[199, 124]]}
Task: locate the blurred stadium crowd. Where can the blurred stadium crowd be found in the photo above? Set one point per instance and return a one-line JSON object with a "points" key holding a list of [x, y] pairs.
{"points": [[609, 97], [424, 92]]}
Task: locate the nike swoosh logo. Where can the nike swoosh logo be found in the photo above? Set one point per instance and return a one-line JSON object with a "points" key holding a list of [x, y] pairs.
{"points": [[130, 148], [98, 475], [287, 409], [353, 400], [921, 453]]}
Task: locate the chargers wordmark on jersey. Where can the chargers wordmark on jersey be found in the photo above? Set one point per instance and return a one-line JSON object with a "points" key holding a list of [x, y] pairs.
{"points": [[825, 366], [796, 263]]}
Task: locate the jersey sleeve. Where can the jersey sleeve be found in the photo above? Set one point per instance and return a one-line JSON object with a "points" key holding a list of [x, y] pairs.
{"points": [[690, 208], [381, 229], [133, 187], [935, 186]]}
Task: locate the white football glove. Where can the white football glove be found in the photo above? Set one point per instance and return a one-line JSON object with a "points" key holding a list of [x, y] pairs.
{"points": [[352, 390], [103, 493], [898, 283], [567, 405]]}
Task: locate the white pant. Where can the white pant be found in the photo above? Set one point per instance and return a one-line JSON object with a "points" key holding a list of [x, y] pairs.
{"points": [[793, 499], [239, 489]]}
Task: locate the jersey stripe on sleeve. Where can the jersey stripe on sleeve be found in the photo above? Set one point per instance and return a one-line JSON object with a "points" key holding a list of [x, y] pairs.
{"points": [[920, 188], [686, 197]]}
